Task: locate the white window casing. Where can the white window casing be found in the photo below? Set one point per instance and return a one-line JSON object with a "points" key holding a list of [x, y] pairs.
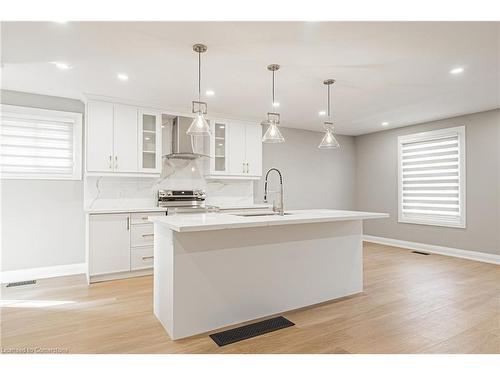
{"points": [[40, 144], [431, 178]]}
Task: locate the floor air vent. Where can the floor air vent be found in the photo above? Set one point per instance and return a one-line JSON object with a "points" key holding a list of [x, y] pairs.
{"points": [[251, 330], [20, 283], [420, 253]]}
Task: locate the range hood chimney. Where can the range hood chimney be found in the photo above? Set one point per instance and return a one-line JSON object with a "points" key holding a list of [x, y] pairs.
{"points": [[185, 146]]}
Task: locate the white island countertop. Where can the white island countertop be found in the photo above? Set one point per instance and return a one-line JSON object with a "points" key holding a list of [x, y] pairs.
{"points": [[215, 221]]}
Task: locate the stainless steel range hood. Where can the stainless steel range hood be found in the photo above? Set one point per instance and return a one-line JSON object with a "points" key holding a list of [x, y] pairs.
{"points": [[183, 145]]}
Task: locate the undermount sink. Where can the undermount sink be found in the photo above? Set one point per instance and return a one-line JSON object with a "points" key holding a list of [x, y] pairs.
{"points": [[262, 214]]}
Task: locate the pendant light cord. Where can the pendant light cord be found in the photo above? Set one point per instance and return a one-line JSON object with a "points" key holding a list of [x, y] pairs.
{"points": [[199, 76], [273, 88], [329, 102]]}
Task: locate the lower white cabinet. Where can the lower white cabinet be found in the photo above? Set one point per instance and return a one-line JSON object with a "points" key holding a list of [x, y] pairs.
{"points": [[109, 243], [141, 258], [119, 245]]}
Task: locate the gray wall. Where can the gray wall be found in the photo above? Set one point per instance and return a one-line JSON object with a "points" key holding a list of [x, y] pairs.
{"points": [[313, 178], [43, 223], [376, 185]]}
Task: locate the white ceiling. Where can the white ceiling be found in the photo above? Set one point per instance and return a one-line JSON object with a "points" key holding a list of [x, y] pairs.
{"points": [[396, 72]]}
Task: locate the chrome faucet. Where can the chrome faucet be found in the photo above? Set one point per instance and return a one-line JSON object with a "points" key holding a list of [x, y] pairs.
{"points": [[279, 209]]}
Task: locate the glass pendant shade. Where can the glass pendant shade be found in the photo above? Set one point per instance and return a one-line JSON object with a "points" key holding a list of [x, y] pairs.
{"points": [[329, 140], [199, 126], [273, 134]]}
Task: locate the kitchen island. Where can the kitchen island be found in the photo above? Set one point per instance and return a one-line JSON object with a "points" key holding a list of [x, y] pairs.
{"points": [[214, 270]]}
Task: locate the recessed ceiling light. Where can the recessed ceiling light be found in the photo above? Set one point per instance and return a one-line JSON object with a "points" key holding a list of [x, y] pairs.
{"points": [[62, 65], [122, 77], [385, 123], [322, 113], [457, 70], [276, 104], [209, 93], [61, 21]]}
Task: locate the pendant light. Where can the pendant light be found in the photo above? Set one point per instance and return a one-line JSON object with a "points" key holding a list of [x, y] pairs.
{"points": [[273, 134], [199, 126], [329, 141]]}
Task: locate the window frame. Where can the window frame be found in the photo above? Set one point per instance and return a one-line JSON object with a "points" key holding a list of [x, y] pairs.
{"points": [[50, 115], [436, 220]]}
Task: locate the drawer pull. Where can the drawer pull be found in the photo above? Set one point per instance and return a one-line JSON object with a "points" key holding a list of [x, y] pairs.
{"points": [[148, 257], [148, 235], [144, 218]]}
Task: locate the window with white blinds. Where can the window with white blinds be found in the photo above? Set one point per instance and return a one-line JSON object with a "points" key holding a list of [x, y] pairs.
{"points": [[40, 144], [432, 177]]}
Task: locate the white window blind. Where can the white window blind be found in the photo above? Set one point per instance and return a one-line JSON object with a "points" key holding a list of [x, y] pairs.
{"points": [[432, 177], [40, 144]]}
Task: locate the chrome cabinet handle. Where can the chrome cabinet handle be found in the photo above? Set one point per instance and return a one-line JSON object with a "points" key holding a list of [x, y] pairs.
{"points": [[148, 235], [128, 222], [144, 218], [248, 168], [116, 162], [148, 257], [110, 162], [243, 171]]}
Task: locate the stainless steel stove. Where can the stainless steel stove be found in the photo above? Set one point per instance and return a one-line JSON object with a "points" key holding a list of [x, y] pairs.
{"points": [[184, 201]]}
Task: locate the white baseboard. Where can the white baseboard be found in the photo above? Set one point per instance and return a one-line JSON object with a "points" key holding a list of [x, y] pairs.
{"points": [[442, 250], [42, 272]]}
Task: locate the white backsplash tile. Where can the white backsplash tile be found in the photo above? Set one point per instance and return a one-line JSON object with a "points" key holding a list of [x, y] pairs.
{"points": [[133, 192]]}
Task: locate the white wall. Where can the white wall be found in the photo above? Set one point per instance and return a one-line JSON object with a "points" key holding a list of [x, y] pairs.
{"points": [[377, 185], [42, 222], [313, 178]]}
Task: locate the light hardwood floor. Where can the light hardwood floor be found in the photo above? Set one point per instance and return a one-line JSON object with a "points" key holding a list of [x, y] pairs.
{"points": [[411, 304]]}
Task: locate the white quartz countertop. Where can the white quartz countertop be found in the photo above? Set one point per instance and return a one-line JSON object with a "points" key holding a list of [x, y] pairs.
{"points": [[215, 221], [124, 209], [111, 210]]}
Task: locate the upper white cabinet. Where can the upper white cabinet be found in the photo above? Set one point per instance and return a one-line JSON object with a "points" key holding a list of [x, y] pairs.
{"points": [[99, 140], [235, 150], [253, 150], [149, 141], [122, 139], [219, 148], [125, 139]]}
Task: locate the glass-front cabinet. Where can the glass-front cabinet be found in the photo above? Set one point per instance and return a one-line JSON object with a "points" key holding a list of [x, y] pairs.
{"points": [[219, 148], [149, 141], [235, 150]]}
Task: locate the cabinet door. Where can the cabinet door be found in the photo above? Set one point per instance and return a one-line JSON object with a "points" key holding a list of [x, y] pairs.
{"points": [[99, 151], [150, 138], [253, 151], [219, 160], [109, 243], [125, 139], [237, 160]]}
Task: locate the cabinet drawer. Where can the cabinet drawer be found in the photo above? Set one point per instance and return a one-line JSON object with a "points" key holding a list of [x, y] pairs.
{"points": [[141, 235], [141, 258], [142, 217]]}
